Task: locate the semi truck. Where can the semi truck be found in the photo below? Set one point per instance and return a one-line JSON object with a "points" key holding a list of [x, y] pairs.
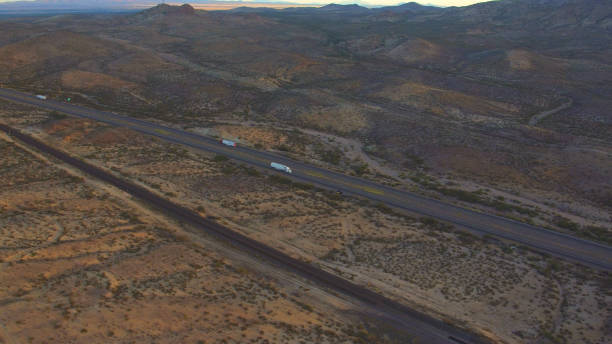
{"points": [[280, 167], [41, 97], [228, 143]]}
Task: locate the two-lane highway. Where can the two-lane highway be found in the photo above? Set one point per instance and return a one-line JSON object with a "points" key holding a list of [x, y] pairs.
{"points": [[558, 244]]}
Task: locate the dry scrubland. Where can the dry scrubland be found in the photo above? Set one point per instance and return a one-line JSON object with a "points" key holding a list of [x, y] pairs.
{"points": [[442, 99], [453, 103], [508, 293], [498, 189], [83, 262]]}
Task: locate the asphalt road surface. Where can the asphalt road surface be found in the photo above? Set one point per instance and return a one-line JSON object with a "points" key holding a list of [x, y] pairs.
{"points": [[561, 245]]}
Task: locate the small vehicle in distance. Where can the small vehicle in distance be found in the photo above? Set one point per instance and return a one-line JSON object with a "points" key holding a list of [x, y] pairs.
{"points": [[228, 143], [41, 97], [280, 167]]}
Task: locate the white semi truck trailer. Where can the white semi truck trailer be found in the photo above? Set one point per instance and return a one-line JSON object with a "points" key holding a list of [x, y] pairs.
{"points": [[41, 97], [228, 143], [280, 167]]}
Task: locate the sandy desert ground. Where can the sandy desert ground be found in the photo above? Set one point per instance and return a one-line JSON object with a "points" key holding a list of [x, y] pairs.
{"points": [[83, 262], [508, 293]]}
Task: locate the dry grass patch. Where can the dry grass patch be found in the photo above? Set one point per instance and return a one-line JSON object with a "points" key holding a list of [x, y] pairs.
{"points": [[343, 119], [78, 79]]}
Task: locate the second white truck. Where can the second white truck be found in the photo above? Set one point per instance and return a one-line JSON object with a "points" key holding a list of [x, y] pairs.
{"points": [[228, 143], [280, 167]]}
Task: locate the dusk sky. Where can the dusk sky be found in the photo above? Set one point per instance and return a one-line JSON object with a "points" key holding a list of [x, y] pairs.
{"points": [[384, 2], [363, 2], [394, 2]]}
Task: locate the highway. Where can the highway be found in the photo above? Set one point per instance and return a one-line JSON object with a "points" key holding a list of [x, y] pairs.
{"points": [[557, 244]]}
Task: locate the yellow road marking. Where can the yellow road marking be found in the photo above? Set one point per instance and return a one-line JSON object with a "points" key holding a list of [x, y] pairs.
{"points": [[367, 189], [314, 174], [371, 190]]}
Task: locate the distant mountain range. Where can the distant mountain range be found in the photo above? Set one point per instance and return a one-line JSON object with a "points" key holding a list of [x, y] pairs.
{"points": [[111, 4], [55, 5]]}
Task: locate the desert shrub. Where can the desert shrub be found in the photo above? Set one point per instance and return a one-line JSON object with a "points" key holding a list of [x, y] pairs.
{"points": [[429, 221], [462, 195], [473, 197], [303, 186], [220, 158], [597, 233], [331, 156], [566, 223], [435, 224], [280, 179], [304, 306], [383, 208], [466, 238], [413, 160], [360, 169], [57, 115], [251, 171], [283, 148], [228, 169]]}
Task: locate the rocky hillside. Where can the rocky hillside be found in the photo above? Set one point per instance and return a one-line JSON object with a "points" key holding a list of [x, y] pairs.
{"points": [[520, 85]]}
